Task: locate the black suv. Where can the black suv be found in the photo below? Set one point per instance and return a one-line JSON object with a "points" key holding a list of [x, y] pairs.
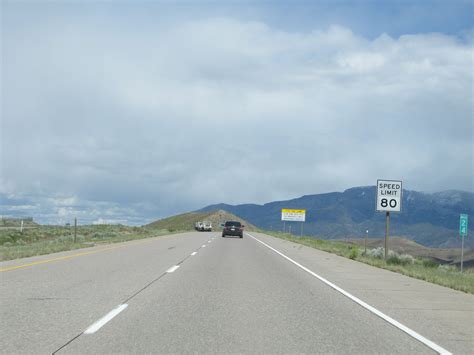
{"points": [[233, 228]]}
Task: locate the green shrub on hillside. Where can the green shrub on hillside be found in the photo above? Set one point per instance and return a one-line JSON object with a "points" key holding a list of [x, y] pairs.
{"points": [[429, 263], [447, 268], [396, 259], [354, 253]]}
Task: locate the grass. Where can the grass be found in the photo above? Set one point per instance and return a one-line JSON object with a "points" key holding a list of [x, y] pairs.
{"points": [[423, 269], [51, 239]]}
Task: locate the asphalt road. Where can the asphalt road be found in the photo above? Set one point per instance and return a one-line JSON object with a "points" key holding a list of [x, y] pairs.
{"points": [[192, 292]]}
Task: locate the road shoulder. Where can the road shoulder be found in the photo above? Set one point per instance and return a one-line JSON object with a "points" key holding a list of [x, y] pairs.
{"points": [[438, 313]]}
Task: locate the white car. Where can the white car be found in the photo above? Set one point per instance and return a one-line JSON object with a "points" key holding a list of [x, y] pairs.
{"points": [[199, 226], [207, 226]]}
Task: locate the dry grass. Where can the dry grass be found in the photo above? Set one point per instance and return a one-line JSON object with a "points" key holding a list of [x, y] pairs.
{"points": [[51, 239]]}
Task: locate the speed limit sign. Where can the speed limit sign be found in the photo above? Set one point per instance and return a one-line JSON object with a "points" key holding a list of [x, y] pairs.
{"points": [[389, 195]]}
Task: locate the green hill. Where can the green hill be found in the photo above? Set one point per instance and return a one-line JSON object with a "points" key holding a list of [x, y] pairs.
{"points": [[186, 221]]}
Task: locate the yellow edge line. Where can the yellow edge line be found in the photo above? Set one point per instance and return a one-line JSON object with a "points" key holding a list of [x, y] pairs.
{"points": [[9, 268]]}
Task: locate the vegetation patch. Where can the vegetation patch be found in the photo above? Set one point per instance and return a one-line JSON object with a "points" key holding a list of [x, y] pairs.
{"points": [[51, 239], [419, 268]]}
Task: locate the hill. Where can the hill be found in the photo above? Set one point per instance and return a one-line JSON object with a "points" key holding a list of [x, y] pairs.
{"points": [[429, 219], [186, 221]]}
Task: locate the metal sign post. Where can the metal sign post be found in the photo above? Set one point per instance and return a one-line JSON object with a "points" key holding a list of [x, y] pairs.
{"points": [[387, 228], [365, 244], [302, 223], [463, 220], [389, 199]]}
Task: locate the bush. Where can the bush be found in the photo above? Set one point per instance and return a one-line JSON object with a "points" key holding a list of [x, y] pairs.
{"points": [[378, 253], [354, 253], [407, 259], [396, 259], [447, 268], [429, 263]]}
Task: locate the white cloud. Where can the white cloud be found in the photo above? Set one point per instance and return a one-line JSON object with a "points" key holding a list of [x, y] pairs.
{"points": [[171, 119]]}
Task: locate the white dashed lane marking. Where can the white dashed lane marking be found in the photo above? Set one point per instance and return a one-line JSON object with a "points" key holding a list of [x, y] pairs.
{"points": [[172, 269], [108, 317]]}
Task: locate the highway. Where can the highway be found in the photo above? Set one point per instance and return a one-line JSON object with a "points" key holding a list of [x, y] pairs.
{"points": [[199, 292]]}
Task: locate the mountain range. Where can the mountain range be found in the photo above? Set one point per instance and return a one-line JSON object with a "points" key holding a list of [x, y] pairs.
{"points": [[430, 219]]}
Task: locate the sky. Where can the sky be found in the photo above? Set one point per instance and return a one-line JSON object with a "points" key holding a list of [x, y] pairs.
{"points": [[127, 112]]}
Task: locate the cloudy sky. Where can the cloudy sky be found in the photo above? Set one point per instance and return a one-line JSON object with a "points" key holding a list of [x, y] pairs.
{"points": [[125, 112]]}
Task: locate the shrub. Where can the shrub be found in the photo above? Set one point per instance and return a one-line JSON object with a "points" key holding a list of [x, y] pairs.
{"points": [[65, 239], [354, 253], [394, 260], [397, 259], [429, 263], [447, 268], [407, 259], [378, 253], [5, 239]]}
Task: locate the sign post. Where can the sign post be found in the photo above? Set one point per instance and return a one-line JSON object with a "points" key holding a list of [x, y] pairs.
{"points": [[293, 216], [389, 199], [463, 220], [365, 244], [75, 229]]}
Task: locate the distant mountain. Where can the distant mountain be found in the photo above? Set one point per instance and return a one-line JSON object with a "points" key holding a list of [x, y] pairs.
{"points": [[429, 219]]}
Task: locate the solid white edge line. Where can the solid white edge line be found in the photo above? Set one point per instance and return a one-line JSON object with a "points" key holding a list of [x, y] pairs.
{"points": [[101, 322], [193, 253], [390, 320], [172, 269]]}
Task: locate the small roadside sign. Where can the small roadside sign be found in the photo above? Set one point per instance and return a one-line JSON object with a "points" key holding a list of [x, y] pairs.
{"points": [[293, 215], [463, 219], [389, 195]]}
